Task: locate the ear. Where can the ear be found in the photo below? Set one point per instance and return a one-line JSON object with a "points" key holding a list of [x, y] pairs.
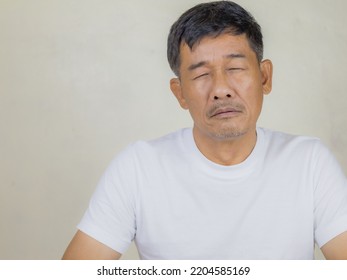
{"points": [[266, 69], [176, 88]]}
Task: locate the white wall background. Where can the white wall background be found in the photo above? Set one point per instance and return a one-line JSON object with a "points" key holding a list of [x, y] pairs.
{"points": [[80, 79]]}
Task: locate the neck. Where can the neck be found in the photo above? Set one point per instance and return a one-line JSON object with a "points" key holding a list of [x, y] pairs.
{"points": [[226, 152]]}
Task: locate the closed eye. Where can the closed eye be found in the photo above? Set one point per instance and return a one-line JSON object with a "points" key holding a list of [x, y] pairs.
{"points": [[200, 76], [235, 69]]}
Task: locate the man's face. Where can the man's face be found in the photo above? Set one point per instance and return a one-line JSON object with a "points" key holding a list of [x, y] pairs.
{"points": [[222, 85]]}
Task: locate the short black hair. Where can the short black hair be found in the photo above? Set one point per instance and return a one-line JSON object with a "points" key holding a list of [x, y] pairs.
{"points": [[212, 19]]}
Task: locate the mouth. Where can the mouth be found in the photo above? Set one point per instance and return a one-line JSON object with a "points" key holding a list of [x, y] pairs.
{"points": [[226, 112]]}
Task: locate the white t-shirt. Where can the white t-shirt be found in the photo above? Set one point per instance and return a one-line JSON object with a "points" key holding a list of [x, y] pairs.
{"points": [[176, 204]]}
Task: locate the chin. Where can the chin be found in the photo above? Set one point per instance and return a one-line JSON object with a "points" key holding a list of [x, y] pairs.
{"points": [[228, 134]]}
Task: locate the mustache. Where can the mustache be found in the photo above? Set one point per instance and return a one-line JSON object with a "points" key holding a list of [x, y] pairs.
{"points": [[224, 106]]}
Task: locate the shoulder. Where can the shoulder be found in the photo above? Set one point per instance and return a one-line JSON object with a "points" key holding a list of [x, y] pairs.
{"points": [[146, 150], [286, 138], [284, 142], [296, 149], [173, 138], [168, 143]]}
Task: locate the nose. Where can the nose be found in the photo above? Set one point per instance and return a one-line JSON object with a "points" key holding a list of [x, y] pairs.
{"points": [[216, 97], [221, 87]]}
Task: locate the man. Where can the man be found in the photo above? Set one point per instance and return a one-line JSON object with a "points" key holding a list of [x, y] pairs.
{"points": [[224, 189]]}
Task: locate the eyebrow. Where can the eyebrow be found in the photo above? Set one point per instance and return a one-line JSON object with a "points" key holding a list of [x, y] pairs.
{"points": [[196, 65], [203, 63], [235, 55]]}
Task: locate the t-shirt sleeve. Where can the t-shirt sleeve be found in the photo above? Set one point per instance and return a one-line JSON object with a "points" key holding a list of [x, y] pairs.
{"points": [[330, 196], [110, 217]]}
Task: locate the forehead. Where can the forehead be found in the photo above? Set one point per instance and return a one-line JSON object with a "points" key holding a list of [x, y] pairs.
{"points": [[211, 48]]}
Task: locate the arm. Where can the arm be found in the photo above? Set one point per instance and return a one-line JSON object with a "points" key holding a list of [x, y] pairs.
{"points": [[336, 249], [84, 247]]}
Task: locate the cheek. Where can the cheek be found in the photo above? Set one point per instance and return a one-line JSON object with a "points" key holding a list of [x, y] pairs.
{"points": [[244, 82], [200, 89], [196, 103], [196, 95], [250, 91]]}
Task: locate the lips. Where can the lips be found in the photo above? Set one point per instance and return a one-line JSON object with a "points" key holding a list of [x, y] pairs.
{"points": [[225, 111]]}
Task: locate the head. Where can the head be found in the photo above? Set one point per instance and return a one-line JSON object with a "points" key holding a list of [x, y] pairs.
{"points": [[216, 51], [211, 20]]}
